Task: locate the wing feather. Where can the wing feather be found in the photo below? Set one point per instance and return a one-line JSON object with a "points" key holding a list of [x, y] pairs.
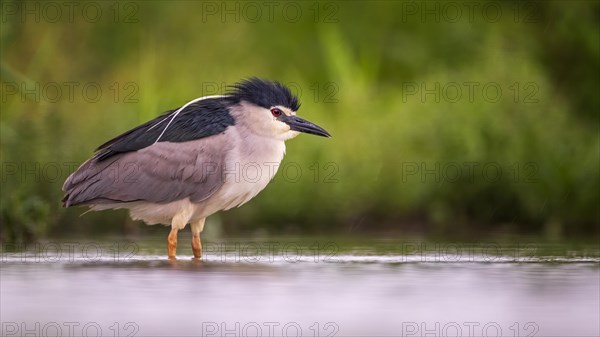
{"points": [[203, 118], [161, 173]]}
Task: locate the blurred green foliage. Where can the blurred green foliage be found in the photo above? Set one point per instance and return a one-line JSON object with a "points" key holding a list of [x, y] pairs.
{"points": [[443, 124]]}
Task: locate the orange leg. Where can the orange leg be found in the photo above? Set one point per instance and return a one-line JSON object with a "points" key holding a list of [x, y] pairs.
{"points": [[172, 241], [196, 228], [196, 246]]}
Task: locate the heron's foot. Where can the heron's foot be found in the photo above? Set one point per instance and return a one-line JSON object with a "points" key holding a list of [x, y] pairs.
{"points": [[196, 246], [172, 244]]}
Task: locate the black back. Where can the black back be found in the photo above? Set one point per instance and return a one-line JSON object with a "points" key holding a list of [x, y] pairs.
{"points": [[201, 119], [198, 120]]}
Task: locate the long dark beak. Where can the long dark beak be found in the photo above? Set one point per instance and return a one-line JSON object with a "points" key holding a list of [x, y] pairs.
{"points": [[302, 125]]}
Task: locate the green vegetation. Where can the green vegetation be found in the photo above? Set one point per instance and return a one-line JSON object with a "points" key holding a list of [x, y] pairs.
{"points": [[443, 125]]}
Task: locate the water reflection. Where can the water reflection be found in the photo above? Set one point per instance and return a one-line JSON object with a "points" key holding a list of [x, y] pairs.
{"points": [[352, 294]]}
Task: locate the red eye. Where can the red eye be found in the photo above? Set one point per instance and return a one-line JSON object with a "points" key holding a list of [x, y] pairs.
{"points": [[276, 112]]}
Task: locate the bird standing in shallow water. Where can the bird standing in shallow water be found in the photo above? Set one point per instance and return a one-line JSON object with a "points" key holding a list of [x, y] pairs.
{"points": [[212, 154]]}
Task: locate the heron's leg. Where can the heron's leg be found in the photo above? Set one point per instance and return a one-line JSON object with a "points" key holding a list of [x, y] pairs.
{"points": [[172, 242], [197, 228], [178, 222]]}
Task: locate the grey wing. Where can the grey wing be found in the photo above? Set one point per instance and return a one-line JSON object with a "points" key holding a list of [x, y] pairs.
{"points": [[160, 173]]}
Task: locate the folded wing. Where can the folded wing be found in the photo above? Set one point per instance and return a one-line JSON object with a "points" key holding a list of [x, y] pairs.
{"points": [[161, 173]]}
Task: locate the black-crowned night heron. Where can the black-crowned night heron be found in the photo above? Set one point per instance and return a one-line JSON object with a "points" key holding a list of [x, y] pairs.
{"points": [[211, 154]]}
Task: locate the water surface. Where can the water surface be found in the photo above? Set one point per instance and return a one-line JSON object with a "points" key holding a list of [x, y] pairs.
{"points": [[298, 290]]}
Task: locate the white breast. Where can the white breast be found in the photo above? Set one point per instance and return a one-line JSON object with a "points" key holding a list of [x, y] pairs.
{"points": [[249, 167]]}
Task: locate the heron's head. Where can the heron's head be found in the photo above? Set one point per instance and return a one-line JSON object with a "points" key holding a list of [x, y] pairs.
{"points": [[269, 109]]}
